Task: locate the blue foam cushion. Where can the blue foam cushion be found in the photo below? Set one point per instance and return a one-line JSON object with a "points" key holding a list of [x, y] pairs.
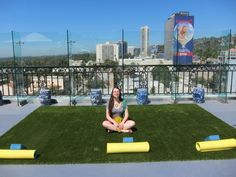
{"points": [[17, 146], [212, 138], [128, 139]]}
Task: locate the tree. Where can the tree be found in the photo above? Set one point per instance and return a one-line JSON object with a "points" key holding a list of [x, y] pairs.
{"points": [[96, 83], [207, 47], [109, 62], [85, 57], [152, 91], [128, 55], [162, 74]]}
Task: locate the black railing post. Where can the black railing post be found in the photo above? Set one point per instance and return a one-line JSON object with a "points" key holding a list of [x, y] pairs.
{"points": [[229, 44], [123, 67], [14, 63], [68, 57], [177, 47]]}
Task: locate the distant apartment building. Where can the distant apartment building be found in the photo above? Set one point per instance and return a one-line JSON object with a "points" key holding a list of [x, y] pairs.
{"points": [[231, 54], [136, 52], [123, 48], [144, 41], [179, 38], [133, 51], [227, 55], [106, 51], [156, 51]]}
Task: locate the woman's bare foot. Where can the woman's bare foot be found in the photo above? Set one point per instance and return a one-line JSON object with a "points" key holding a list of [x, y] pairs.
{"points": [[127, 131]]}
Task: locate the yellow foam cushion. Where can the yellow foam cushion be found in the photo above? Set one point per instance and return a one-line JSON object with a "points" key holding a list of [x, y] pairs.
{"points": [[128, 147], [17, 154], [217, 145]]}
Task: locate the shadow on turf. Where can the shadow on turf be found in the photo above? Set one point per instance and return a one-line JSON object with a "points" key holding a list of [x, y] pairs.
{"points": [[134, 129]]}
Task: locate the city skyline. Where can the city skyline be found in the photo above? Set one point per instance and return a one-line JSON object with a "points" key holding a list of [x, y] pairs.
{"points": [[92, 22]]}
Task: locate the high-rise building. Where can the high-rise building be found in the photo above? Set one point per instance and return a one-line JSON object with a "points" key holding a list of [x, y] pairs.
{"points": [[123, 47], [106, 51], [144, 41], [233, 40], [179, 29], [168, 40]]}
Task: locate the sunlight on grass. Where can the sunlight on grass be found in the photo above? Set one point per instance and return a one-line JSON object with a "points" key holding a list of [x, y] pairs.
{"points": [[75, 135]]}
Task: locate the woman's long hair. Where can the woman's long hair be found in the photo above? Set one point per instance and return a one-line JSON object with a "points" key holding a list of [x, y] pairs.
{"points": [[111, 101]]}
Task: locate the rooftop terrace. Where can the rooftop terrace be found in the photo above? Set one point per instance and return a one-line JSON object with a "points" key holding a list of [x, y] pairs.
{"points": [[213, 168]]}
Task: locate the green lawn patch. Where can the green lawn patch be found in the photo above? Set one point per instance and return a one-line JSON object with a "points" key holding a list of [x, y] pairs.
{"points": [[75, 134]]}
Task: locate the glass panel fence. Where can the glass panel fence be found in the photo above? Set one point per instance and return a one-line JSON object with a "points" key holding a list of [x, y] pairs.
{"points": [[18, 69], [45, 62], [223, 73], [95, 63], [71, 64], [6, 65]]}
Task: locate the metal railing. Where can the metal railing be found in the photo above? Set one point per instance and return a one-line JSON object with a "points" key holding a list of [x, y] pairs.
{"points": [[158, 79]]}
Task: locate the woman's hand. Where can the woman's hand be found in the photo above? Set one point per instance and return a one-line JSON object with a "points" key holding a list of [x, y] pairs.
{"points": [[116, 124], [121, 125]]}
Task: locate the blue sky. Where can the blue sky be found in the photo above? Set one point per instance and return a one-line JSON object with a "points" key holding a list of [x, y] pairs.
{"points": [[104, 19]]}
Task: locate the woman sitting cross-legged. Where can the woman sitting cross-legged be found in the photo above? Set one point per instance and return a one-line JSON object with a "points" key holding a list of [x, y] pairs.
{"points": [[115, 110]]}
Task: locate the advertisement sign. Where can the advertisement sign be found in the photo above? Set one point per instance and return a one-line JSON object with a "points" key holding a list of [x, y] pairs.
{"points": [[183, 39]]}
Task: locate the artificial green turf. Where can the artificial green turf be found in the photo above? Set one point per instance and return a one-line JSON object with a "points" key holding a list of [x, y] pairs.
{"points": [[75, 134]]}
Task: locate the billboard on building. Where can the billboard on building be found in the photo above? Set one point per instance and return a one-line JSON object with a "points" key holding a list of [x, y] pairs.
{"points": [[183, 39]]}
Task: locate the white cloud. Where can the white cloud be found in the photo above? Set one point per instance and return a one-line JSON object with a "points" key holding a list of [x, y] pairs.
{"points": [[35, 37], [84, 50]]}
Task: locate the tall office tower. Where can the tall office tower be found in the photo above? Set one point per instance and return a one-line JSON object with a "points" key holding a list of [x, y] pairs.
{"points": [[108, 51], [233, 41], [123, 47], [179, 29], [144, 41]]}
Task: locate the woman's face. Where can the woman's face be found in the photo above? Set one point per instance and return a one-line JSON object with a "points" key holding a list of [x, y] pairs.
{"points": [[116, 93], [185, 29]]}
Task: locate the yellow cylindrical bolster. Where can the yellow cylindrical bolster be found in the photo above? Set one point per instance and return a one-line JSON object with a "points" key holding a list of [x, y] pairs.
{"points": [[225, 144], [17, 154], [128, 147]]}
